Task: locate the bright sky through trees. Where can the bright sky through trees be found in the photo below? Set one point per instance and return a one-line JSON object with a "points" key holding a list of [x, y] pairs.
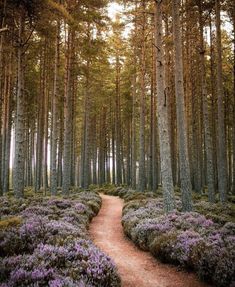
{"points": [[113, 9]]}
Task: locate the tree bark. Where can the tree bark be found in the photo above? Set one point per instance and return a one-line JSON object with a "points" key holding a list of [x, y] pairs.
{"points": [[163, 127], [142, 175], [118, 125], [133, 138], [54, 128], [233, 175], [207, 130], [19, 156], [221, 157], [87, 130], [181, 120], [67, 162]]}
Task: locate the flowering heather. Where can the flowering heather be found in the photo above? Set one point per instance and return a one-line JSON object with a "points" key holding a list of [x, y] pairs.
{"points": [[185, 242], [60, 203], [192, 240], [80, 207], [50, 247]]}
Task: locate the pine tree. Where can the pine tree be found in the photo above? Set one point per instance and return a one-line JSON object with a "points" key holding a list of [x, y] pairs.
{"points": [[185, 182], [165, 155]]}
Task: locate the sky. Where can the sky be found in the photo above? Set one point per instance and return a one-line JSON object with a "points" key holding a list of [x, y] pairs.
{"points": [[113, 9]]}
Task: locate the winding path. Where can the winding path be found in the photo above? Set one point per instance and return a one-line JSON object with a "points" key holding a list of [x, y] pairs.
{"points": [[136, 267]]}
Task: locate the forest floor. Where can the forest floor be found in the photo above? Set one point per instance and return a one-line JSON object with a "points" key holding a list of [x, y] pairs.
{"points": [[137, 268]]}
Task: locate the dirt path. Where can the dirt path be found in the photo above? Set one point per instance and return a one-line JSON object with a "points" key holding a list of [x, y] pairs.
{"points": [[136, 268]]}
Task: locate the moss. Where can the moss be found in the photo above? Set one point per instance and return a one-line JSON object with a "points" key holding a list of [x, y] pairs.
{"points": [[10, 222]]}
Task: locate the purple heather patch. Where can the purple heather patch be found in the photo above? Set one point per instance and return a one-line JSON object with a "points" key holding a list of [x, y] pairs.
{"points": [[51, 247], [189, 239]]}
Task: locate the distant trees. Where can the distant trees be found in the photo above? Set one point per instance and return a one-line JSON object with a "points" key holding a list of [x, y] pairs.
{"points": [[86, 101]]}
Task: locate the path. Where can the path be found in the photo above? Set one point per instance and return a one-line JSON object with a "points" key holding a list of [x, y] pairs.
{"points": [[136, 267]]}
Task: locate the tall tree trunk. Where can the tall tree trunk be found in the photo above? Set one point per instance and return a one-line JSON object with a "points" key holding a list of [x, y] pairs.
{"points": [[40, 124], [152, 115], [67, 118], [45, 132], [142, 175], [213, 104], [163, 127], [168, 93], [74, 103], [6, 129], [118, 125], [128, 154], [19, 156], [107, 162], [233, 15], [60, 149], [207, 130], [113, 150], [102, 145], [87, 130], [54, 128], [133, 138], [181, 120], [1, 88], [221, 157], [94, 158], [155, 149]]}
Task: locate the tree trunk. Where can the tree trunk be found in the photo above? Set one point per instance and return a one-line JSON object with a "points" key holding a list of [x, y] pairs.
{"points": [[45, 132], [19, 156], [221, 157], [102, 145], [233, 188], [40, 124], [1, 88], [67, 118], [142, 175], [133, 138], [6, 129], [54, 132], [60, 149], [213, 105], [181, 126], [207, 130], [128, 154], [118, 124], [87, 130], [94, 158], [113, 150], [163, 127]]}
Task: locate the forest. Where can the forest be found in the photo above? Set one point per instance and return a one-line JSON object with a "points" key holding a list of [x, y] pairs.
{"points": [[117, 143]]}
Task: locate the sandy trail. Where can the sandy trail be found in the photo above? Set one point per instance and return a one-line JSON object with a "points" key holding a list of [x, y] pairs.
{"points": [[136, 267]]}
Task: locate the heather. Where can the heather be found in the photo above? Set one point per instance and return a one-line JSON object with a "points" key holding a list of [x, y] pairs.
{"points": [[44, 242], [202, 240]]}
